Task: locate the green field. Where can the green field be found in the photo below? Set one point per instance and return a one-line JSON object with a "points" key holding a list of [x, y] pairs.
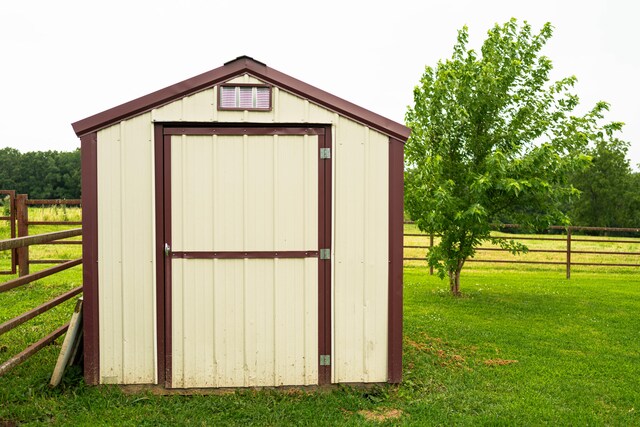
{"points": [[523, 346]]}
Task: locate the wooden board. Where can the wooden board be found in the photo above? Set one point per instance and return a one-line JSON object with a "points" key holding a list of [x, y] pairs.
{"points": [[69, 345]]}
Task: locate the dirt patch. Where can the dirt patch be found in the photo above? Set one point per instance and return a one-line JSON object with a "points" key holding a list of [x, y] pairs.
{"points": [[381, 415], [446, 355], [499, 362]]}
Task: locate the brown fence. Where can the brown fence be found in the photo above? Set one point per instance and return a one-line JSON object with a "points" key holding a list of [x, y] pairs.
{"points": [[22, 243], [19, 227], [567, 237]]}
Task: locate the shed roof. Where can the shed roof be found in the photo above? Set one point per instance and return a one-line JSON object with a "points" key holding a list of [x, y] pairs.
{"points": [[239, 66]]}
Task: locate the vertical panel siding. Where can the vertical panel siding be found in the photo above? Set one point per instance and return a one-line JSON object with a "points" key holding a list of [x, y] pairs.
{"points": [[232, 196], [250, 323], [361, 259], [125, 255], [110, 255]]}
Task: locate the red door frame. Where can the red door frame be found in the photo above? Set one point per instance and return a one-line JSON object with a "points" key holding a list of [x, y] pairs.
{"points": [[162, 140]]}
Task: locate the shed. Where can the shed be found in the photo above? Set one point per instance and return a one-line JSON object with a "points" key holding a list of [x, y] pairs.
{"points": [[242, 228]]}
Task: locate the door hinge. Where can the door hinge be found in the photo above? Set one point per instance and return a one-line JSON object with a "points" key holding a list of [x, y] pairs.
{"points": [[325, 253], [325, 360], [325, 153]]}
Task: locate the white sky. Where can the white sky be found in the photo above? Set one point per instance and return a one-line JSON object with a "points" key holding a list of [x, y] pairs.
{"points": [[62, 61]]}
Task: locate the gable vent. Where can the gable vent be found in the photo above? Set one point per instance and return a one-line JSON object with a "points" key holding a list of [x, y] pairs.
{"points": [[244, 97]]}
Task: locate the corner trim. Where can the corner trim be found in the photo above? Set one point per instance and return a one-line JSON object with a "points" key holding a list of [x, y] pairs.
{"points": [[396, 213], [158, 139], [90, 313]]}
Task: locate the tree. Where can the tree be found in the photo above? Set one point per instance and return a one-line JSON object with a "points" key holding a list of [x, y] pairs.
{"points": [[609, 197], [491, 137], [41, 174]]}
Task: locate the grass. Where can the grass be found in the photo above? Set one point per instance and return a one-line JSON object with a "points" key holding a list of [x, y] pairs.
{"points": [[522, 346]]}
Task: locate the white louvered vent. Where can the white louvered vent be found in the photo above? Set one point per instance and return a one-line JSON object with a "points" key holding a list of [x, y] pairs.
{"points": [[245, 98]]}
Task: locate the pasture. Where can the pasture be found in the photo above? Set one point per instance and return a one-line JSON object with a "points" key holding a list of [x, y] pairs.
{"points": [[522, 346]]}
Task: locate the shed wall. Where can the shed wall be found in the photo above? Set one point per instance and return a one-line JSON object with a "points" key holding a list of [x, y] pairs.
{"points": [[126, 260], [126, 215], [361, 254]]}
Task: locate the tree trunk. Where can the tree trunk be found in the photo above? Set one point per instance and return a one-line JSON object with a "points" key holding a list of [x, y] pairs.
{"points": [[454, 282]]}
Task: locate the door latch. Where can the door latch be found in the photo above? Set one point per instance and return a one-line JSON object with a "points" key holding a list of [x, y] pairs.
{"points": [[167, 249]]}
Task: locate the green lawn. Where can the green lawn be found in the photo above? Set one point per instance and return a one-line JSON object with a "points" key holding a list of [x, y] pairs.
{"points": [[521, 347]]}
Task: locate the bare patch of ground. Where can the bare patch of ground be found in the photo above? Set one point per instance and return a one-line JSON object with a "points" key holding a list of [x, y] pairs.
{"points": [[381, 415]]}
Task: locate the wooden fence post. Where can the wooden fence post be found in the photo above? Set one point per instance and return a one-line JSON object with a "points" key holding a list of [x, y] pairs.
{"points": [[568, 252], [431, 247], [22, 213]]}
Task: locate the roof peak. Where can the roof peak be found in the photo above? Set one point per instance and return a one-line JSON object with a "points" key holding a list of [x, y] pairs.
{"points": [[238, 66], [245, 58]]}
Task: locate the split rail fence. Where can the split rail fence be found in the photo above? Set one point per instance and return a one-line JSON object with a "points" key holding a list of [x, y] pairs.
{"points": [[19, 223], [568, 237], [19, 247]]}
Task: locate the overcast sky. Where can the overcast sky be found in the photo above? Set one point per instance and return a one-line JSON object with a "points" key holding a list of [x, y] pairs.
{"points": [[65, 60]]}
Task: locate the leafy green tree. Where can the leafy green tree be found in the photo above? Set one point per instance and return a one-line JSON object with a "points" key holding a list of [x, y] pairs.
{"points": [[608, 197], [490, 138]]}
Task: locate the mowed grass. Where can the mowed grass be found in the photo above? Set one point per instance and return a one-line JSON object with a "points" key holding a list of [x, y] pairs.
{"points": [[521, 347]]}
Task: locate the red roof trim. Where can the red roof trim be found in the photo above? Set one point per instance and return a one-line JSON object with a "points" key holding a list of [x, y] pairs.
{"points": [[229, 70]]}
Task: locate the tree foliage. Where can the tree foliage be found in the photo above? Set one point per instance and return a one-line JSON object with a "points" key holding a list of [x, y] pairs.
{"points": [[41, 174], [492, 138], [610, 192]]}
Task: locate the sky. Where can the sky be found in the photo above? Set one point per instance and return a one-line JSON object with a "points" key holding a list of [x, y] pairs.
{"points": [[62, 61]]}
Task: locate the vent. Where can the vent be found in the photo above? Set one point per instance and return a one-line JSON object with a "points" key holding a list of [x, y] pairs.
{"points": [[244, 97]]}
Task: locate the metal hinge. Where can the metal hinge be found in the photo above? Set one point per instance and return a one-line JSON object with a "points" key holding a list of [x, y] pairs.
{"points": [[325, 360], [325, 253], [325, 153]]}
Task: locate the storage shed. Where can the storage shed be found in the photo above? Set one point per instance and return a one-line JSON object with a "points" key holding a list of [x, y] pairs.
{"points": [[242, 228]]}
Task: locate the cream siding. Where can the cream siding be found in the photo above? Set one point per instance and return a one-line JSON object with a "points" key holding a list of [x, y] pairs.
{"points": [[126, 273], [126, 214], [244, 193], [361, 254], [251, 322], [286, 108]]}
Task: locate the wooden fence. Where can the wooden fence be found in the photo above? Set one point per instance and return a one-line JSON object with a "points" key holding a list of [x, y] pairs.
{"points": [[25, 242], [568, 237], [19, 243], [19, 223]]}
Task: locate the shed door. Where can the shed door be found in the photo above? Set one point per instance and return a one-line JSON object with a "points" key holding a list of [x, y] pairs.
{"points": [[246, 291]]}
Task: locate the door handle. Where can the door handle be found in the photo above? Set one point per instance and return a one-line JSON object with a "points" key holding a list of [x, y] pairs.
{"points": [[167, 249]]}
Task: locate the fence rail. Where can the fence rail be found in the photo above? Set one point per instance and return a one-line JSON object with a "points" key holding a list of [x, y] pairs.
{"points": [[19, 227], [568, 238], [19, 246]]}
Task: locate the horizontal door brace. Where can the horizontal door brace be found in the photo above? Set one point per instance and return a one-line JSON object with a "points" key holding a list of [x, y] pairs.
{"points": [[243, 254]]}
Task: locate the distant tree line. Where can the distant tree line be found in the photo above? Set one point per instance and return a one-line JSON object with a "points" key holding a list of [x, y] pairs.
{"points": [[41, 174]]}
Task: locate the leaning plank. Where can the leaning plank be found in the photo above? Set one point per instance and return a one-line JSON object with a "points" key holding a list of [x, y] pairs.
{"points": [[39, 275], [68, 344], [12, 323], [33, 348]]}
